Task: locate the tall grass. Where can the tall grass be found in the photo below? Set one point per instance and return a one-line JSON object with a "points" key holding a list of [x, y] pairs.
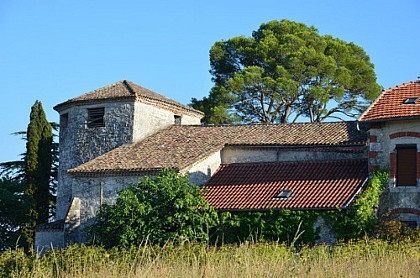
{"points": [[371, 258]]}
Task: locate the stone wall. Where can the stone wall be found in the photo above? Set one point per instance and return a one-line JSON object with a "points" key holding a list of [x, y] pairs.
{"points": [[125, 122], [383, 140], [80, 144], [326, 236], [93, 192], [270, 154], [45, 239], [149, 119], [200, 172], [381, 145]]}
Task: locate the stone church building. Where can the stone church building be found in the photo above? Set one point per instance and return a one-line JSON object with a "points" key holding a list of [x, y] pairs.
{"points": [[112, 136]]}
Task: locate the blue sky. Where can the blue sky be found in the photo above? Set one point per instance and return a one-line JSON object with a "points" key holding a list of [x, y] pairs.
{"points": [[56, 50]]}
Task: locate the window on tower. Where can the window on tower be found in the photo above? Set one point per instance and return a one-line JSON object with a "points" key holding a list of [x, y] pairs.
{"points": [[96, 117]]}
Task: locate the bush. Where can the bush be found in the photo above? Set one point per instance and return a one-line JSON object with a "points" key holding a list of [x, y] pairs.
{"points": [[157, 210], [391, 229], [285, 225]]}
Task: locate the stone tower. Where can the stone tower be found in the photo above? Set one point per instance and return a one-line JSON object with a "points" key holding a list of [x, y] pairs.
{"points": [[99, 121]]}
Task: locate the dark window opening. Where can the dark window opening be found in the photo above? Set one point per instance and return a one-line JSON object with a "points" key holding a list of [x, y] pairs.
{"points": [[410, 224], [96, 117], [177, 119], [64, 120], [406, 165], [283, 195], [411, 100]]}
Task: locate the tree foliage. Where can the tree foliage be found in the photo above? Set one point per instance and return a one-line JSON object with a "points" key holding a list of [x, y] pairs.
{"points": [[37, 167], [13, 207], [34, 176], [156, 210], [38, 161], [285, 71], [288, 226]]}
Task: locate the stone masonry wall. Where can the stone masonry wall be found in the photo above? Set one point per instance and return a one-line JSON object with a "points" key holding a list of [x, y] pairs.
{"points": [[95, 191], [383, 141], [201, 172], [259, 154], [80, 144], [45, 239], [150, 119]]}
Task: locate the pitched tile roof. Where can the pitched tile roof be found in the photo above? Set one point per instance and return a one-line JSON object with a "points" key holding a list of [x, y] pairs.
{"points": [[390, 104], [180, 146], [123, 90], [314, 184]]}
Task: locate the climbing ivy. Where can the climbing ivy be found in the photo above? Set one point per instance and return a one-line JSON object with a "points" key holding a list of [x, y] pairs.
{"points": [[167, 207], [286, 225], [292, 226], [359, 220]]}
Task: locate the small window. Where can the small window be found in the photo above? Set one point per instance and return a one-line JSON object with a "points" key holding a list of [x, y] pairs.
{"points": [[96, 117], [411, 100], [283, 195], [406, 165], [64, 120], [177, 119]]}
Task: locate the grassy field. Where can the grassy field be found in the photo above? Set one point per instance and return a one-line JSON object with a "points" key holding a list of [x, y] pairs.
{"points": [[371, 258]]}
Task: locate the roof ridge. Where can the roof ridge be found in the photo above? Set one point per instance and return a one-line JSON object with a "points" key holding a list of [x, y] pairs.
{"points": [[101, 88], [278, 124], [129, 88]]}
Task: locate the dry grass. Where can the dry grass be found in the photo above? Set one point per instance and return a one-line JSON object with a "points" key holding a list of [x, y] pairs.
{"points": [[361, 259]]}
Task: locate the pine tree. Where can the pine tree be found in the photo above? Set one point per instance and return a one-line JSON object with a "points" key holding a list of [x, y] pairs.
{"points": [[37, 169]]}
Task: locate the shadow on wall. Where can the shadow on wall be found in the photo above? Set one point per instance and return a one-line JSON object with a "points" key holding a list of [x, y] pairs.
{"points": [[199, 178]]}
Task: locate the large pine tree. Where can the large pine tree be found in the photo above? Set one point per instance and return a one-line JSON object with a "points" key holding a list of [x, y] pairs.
{"points": [[37, 169], [287, 72]]}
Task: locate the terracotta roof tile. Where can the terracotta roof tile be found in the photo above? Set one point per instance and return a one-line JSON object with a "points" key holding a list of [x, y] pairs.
{"points": [[180, 146], [390, 104], [123, 90], [314, 184]]}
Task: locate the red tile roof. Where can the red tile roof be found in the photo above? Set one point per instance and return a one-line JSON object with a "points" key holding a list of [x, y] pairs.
{"points": [[314, 184], [121, 91], [390, 104], [180, 146]]}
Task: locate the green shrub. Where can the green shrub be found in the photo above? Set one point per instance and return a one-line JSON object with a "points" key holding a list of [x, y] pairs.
{"points": [[391, 229], [285, 225], [156, 210]]}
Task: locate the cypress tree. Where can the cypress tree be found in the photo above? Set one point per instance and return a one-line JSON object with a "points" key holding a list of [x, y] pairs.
{"points": [[37, 169]]}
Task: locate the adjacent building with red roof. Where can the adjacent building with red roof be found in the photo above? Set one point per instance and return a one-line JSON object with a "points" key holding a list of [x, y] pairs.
{"points": [[394, 144], [112, 136]]}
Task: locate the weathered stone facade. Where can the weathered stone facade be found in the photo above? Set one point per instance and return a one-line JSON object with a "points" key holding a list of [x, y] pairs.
{"points": [[125, 121], [201, 171], [80, 144], [244, 154], [384, 139], [149, 119]]}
